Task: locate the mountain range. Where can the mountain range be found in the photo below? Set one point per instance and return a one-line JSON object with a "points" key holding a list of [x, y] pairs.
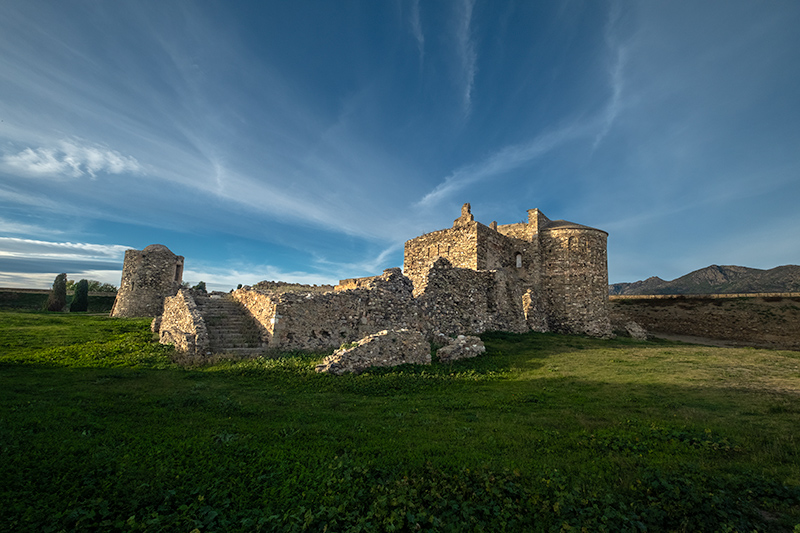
{"points": [[717, 279]]}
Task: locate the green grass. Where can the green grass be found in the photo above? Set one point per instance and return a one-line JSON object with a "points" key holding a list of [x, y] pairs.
{"points": [[101, 431]]}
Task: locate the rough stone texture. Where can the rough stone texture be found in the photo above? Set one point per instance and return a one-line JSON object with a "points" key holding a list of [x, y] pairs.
{"points": [[538, 275], [462, 347], [636, 331], [182, 324], [575, 279], [296, 321], [231, 329], [459, 300], [558, 269], [148, 276], [385, 348]]}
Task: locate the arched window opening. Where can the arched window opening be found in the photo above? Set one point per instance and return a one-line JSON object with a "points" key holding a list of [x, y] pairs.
{"points": [[519, 260]]}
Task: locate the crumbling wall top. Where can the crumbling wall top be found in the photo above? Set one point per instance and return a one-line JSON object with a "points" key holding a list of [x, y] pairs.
{"points": [[466, 216]]}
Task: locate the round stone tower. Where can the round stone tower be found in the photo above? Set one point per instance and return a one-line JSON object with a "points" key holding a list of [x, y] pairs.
{"points": [[575, 278], [148, 276]]}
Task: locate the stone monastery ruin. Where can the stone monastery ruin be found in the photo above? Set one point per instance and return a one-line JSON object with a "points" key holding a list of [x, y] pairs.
{"points": [[541, 275]]}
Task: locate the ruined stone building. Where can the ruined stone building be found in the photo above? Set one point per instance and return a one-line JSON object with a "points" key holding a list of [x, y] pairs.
{"points": [[559, 267], [148, 276], [542, 275]]}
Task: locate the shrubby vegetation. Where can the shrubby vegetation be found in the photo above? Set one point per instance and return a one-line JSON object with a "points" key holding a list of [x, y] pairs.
{"points": [[94, 286], [57, 299], [80, 301], [103, 431]]}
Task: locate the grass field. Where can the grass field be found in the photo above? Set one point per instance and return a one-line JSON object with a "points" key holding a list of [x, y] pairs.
{"points": [[100, 431]]}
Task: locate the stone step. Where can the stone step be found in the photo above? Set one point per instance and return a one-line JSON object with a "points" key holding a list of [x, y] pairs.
{"points": [[230, 328]]}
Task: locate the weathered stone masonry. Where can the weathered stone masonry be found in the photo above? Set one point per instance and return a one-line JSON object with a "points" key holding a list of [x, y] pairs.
{"points": [[557, 270], [542, 275], [148, 276]]}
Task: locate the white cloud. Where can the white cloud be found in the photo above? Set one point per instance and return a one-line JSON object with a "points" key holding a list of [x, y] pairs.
{"points": [[468, 58], [503, 160], [223, 279], [20, 228], [618, 58], [12, 247], [73, 159]]}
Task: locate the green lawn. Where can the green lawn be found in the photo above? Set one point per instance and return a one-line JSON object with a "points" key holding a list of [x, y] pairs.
{"points": [[99, 430]]}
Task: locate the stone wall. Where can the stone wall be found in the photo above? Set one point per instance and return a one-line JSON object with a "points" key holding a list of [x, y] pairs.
{"points": [[182, 324], [541, 275], [263, 307], [575, 280], [461, 300], [749, 320], [459, 245], [294, 321], [355, 283], [148, 276], [454, 301]]}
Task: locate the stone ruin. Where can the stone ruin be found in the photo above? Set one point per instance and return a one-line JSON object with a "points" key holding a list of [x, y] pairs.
{"points": [[541, 275], [148, 276]]}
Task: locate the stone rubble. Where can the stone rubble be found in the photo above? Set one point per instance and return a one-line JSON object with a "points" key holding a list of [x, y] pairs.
{"points": [[462, 347], [385, 348]]}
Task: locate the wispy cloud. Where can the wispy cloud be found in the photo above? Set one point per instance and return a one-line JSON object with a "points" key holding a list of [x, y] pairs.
{"points": [[416, 31], [72, 159], [618, 53], [367, 267], [11, 227], [35, 249], [504, 160], [224, 279], [468, 57], [33, 263]]}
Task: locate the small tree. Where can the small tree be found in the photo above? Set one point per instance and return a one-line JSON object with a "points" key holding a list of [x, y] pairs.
{"points": [[80, 302], [57, 300], [200, 287]]}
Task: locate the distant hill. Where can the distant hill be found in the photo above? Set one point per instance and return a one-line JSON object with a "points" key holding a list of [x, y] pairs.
{"points": [[716, 279]]}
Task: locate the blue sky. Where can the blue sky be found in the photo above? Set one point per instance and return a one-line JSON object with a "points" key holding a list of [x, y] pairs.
{"points": [[307, 141]]}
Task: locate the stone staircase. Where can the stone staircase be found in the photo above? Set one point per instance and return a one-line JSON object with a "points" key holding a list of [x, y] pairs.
{"points": [[231, 329]]}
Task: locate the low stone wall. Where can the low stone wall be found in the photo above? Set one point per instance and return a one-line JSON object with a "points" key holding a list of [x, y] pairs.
{"points": [[455, 301], [263, 307], [769, 321], [355, 283], [296, 321], [703, 296], [182, 325]]}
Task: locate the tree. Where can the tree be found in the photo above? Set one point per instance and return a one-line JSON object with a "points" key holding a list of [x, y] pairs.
{"points": [[57, 300], [97, 286], [200, 287], [80, 302]]}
